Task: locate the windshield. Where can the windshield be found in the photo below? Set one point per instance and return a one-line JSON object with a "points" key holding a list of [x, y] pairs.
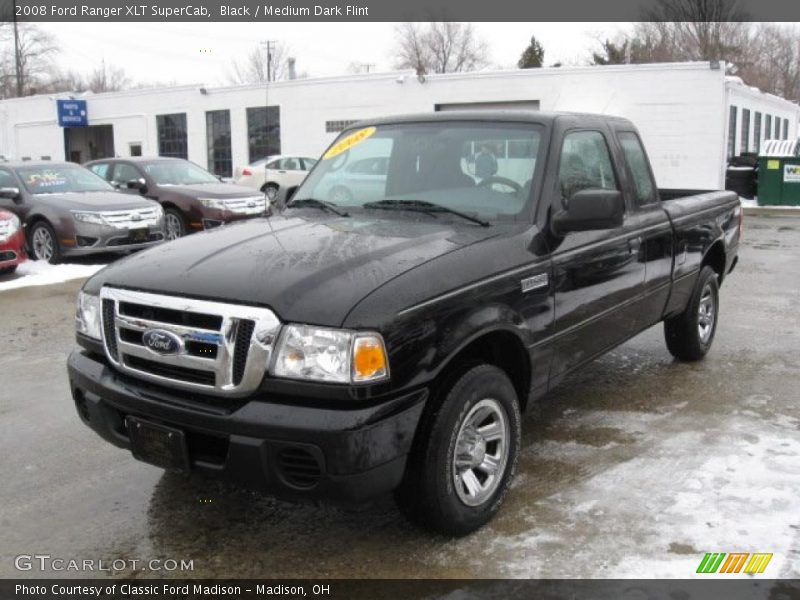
{"points": [[480, 169], [178, 172], [60, 179]]}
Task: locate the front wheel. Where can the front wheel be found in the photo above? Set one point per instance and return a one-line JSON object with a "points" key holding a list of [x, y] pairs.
{"points": [[271, 190], [465, 454], [689, 335], [44, 244], [175, 224]]}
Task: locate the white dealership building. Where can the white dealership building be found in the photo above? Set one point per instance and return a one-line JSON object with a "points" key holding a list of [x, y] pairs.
{"points": [[692, 116]]}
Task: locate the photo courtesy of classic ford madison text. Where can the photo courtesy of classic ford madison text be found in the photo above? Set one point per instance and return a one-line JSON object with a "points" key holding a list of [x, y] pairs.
{"points": [[473, 305]]}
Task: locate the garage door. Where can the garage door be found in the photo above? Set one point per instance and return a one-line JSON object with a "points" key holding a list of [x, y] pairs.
{"points": [[502, 105]]}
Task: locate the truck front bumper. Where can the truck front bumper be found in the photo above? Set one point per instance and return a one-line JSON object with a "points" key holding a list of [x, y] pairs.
{"points": [[288, 451]]}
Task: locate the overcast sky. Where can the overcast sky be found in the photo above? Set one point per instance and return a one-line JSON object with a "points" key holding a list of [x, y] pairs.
{"points": [[202, 53]]}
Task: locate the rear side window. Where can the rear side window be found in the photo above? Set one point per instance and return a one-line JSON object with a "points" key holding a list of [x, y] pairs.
{"points": [[585, 163], [637, 163]]}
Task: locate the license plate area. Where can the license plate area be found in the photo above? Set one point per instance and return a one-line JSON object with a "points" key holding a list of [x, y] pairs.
{"points": [[138, 236], [158, 445]]}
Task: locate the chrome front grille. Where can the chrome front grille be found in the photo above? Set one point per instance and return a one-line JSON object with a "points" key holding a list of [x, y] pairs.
{"points": [[224, 348], [252, 205], [130, 219]]}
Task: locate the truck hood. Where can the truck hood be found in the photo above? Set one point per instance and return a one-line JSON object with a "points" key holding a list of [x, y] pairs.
{"points": [[213, 190], [93, 201], [309, 270]]}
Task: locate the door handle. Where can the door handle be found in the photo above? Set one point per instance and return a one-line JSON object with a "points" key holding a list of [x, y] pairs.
{"points": [[634, 245]]}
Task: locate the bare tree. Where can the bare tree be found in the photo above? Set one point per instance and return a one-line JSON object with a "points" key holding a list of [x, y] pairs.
{"points": [[36, 50], [108, 78], [253, 69], [439, 47]]}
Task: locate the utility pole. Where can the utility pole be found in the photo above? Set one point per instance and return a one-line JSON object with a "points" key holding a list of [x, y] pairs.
{"points": [[269, 45], [17, 57]]}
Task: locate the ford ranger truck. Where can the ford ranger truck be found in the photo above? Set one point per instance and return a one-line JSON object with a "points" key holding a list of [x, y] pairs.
{"points": [[391, 343]]}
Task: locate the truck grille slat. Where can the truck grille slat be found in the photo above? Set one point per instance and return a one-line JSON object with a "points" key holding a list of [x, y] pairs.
{"points": [[210, 347]]}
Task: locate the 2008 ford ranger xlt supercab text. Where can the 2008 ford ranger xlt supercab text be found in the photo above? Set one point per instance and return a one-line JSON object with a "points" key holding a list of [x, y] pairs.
{"points": [[432, 277]]}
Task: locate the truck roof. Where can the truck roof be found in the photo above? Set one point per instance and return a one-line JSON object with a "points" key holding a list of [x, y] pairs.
{"points": [[524, 116]]}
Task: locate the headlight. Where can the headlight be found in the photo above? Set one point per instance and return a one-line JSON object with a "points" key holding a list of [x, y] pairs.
{"points": [[212, 203], [9, 227], [332, 355], [88, 217], [87, 316], [159, 213]]}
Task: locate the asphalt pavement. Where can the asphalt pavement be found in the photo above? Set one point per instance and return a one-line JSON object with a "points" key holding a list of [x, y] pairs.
{"points": [[635, 467]]}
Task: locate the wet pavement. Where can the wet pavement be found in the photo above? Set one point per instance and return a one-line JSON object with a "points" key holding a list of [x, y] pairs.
{"points": [[635, 467]]}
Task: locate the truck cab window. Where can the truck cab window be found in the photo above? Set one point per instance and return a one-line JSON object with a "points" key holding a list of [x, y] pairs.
{"points": [[585, 163], [640, 171]]}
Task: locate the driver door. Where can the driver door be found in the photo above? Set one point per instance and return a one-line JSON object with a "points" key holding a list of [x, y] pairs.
{"points": [[598, 274]]}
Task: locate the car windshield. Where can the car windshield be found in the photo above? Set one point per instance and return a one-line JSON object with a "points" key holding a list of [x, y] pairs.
{"points": [[60, 179], [178, 172], [483, 170]]}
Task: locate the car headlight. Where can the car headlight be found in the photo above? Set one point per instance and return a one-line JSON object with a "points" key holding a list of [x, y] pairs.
{"points": [[88, 217], [9, 227], [212, 203], [330, 355], [87, 316]]}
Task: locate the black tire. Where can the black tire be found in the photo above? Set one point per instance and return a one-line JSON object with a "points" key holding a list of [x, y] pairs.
{"points": [[174, 224], [690, 334], [41, 231], [429, 493], [271, 190], [8, 270]]}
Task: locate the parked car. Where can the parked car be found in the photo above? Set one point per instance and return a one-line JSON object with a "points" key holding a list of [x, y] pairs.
{"points": [[345, 351], [12, 242], [274, 173], [358, 180], [193, 199], [69, 211]]}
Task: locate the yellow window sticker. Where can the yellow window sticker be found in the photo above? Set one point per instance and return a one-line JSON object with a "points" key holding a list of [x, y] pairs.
{"points": [[348, 142], [773, 165]]}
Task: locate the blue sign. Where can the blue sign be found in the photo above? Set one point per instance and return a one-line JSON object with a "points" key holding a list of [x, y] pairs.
{"points": [[72, 113]]}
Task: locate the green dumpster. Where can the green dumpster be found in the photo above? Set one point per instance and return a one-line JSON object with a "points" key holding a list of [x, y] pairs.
{"points": [[779, 174]]}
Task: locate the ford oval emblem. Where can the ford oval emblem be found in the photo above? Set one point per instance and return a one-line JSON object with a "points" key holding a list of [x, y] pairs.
{"points": [[162, 342]]}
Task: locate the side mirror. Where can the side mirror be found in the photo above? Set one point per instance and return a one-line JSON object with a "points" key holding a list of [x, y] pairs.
{"points": [[10, 193], [590, 209], [137, 184]]}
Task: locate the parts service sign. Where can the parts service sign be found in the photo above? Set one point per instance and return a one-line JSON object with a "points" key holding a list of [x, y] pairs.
{"points": [[72, 113]]}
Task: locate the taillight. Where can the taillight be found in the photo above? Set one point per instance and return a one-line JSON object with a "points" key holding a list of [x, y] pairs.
{"points": [[246, 172]]}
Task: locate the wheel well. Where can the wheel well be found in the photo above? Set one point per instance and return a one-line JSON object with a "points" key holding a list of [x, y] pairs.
{"points": [[268, 183], [504, 350], [715, 258], [32, 222]]}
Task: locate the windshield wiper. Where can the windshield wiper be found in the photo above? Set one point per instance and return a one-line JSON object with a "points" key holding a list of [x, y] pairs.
{"points": [[424, 206], [322, 204]]}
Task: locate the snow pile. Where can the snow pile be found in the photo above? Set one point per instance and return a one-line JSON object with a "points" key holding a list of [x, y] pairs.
{"points": [[41, 273]]}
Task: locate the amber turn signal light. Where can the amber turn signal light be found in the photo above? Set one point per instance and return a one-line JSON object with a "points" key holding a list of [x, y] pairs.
{"points": [[369, 359]]}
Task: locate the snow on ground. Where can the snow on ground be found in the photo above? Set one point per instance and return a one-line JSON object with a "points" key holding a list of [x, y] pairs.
{"points": [[37, 272]]}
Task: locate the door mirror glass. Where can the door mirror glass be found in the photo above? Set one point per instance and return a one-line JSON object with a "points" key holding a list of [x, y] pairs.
{"points": [[590, 209]]}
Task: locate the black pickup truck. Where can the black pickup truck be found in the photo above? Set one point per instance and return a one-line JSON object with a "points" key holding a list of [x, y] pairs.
{"points": [[391, 342]]}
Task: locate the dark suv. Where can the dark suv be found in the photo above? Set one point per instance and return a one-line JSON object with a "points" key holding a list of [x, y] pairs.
{"points": [[193, 199]]}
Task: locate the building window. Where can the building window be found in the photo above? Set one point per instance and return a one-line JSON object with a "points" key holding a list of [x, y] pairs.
{"points": [[218, 137], [732, 131], [786, 129], [767, 127], [337, 126], [777, 135], [135, 148], [757, 132], [263, 132], [172, 135], [744, 142]]}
